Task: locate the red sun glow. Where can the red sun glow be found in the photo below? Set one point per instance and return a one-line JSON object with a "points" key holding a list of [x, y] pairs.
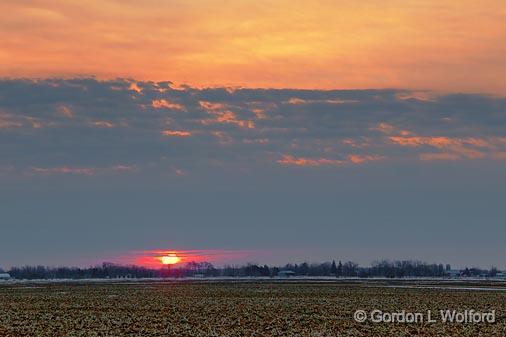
{"points": [[158, 257], [169, 259]]}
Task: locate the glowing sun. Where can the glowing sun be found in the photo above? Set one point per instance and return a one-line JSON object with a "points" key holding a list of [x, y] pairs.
{"points": [[171, 258]]}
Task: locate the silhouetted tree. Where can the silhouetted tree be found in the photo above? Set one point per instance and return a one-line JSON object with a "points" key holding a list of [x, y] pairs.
{"points": [[350, 269], [333, 268], [339, 269]]}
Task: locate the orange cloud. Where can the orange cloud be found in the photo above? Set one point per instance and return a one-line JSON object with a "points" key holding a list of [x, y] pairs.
{"points": [[210, 106], [360, 159], [385, 128], [302, 161], [296, 101], [453, 148], [64, 170], [351, 44], [439, 142], [87, 171], [222, 114], [356, 143], [124, 168], [103, 124], [256, 141], [259, 113], [463, 146], [300, 101], [223, 137], [176, 133], [163, 103], [135, 87], [65, 111], [418, 95], [439, 156], [35, 122], [230, 117], [7, 122]]}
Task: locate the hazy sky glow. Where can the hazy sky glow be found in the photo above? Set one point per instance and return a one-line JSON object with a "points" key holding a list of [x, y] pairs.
{"points": [[439, 45], [269, 132]]}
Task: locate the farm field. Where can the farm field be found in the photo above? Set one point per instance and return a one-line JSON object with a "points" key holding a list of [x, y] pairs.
{"points": [[235, 309]]}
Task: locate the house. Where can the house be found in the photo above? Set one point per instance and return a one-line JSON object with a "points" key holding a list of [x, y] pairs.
{"points": [[285, 273], [4, 276]]}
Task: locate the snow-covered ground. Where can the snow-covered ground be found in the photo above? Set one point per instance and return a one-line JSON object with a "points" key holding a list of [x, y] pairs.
{"points": [[484, 288], [469, 284]]}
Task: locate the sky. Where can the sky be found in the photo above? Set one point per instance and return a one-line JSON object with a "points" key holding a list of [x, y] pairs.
{"points": [[267, 132], [346, 44]]}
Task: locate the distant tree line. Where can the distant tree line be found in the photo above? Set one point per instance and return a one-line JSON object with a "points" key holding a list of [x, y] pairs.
{"points": [[399, 269], [106, 270], [389, 269]]}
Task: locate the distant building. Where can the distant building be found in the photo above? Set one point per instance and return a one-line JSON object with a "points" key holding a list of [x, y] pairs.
{"points": [[4, 276], [453, 273], [285, 273], [501, 274]]}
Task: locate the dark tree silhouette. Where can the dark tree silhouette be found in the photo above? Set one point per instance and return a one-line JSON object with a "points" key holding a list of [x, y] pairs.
{"points": [[333, 268]]}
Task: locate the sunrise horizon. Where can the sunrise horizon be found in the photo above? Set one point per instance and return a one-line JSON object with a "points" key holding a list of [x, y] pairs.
{"points": [[252, 168], [219, 121]]}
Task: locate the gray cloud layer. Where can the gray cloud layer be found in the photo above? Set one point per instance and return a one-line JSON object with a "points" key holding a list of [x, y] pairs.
{"points": [[86, 126], [90, 168]]}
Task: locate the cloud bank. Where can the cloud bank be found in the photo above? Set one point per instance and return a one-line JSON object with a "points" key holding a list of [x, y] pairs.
{"points": [[85, 127]]}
